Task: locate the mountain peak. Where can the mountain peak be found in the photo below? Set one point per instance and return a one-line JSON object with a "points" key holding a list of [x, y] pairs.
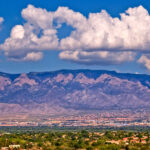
{"points": [[23, 79]]}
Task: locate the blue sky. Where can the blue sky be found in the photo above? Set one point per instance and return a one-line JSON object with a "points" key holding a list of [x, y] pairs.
{"points": [[11, 12]]}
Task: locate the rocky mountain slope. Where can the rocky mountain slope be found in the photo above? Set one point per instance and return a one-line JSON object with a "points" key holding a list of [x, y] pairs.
{"points": [[73, 90]]}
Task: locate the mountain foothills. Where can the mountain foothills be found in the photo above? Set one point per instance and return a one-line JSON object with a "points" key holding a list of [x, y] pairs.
{"points": [[72, 91]]}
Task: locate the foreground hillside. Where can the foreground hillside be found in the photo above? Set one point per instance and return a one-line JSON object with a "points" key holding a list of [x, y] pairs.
{"points": [[72, 91], [77, 140]]}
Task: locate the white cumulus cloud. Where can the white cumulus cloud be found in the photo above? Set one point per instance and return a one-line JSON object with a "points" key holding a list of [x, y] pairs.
{"points": [[31, 56], [1, 20], [96, 39], [36, 34], [97, 58], [144, 60], [100, 31]]}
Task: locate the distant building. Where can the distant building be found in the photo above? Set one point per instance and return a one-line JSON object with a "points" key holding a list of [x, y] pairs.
{"points": [[4, 148], [14, 146]]}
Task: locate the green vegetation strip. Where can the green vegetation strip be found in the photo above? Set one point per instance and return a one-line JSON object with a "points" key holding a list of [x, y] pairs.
{"points": [[45, 138]]}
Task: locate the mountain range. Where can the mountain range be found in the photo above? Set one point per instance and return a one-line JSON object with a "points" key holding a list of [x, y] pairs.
{"points": [[70, 91]]}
